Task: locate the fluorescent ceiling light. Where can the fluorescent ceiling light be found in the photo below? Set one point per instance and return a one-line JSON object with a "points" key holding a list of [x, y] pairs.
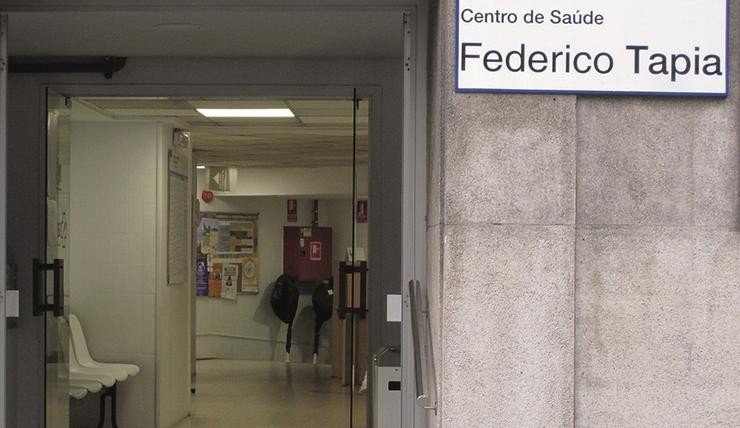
{"points": [[201, 167], [246, 112]]}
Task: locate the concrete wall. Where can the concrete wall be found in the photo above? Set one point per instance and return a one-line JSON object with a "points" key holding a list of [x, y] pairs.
{"points": [[584, 254], [112, 258]]}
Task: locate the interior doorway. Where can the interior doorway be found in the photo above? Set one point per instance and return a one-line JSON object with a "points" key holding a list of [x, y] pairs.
{"points": [[280, 192], [183, 77]]}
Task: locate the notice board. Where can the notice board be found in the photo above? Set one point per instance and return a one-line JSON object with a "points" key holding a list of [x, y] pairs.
{"points": [[228, 258]]}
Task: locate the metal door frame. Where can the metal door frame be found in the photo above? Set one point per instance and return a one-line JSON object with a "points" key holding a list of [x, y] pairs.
{"points": [[3, 208]]}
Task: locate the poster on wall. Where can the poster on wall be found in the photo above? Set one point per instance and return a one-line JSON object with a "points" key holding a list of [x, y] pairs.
{"points": [[246, 277], [178, 207], [241, 237], [214, 279], [249, 284], [292, 210], [229, 240], [201, 276], [220, 233]]}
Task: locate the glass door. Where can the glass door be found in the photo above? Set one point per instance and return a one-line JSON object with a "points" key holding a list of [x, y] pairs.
{"points": [[49, 274], [353, 277], [3, 180], [357, 271]]}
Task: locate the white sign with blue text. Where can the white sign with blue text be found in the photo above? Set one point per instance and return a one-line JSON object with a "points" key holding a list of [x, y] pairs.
{"points": [[651, 47]]}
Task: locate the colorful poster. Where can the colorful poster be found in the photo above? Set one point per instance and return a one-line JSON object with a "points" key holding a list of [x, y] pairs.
{"points": [[249, 282], [241, 237], [229, 239], [247, 273], [201, 276], [208, 235], [229, 280]]}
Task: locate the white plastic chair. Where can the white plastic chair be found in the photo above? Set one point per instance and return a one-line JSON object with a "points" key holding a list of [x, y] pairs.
{"points": [[85, 359], [76, 371], [88, 385], [77, 392]]}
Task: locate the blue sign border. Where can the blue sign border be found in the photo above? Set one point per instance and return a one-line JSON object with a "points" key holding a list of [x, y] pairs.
{"points": [[591, 92]]}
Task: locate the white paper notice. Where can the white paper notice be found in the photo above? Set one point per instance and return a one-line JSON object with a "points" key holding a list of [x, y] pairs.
{"points": [[229, 278], [177, 230]]}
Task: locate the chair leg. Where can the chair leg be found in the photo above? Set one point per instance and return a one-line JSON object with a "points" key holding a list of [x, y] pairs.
{"points": [[111, 392], [113, 397], [101, 422]]}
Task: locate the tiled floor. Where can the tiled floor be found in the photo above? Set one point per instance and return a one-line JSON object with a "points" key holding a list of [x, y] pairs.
{"points": [[258, 394]]}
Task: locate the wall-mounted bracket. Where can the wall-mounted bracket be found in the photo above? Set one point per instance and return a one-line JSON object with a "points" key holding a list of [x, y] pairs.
{"points": [[108, 65]]}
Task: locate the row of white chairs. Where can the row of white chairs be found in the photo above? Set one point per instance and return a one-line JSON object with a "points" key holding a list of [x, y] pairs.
{"points": [[89, 376]]}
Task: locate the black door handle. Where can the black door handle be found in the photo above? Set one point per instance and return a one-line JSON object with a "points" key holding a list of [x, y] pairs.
{"points": [[39, 287]]}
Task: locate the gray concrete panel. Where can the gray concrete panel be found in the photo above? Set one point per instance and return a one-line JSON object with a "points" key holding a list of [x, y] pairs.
{"points": [[715, 336], [635, 161], [632, 342], [634, 261], [510, 159], [632, 360], [716, 160], [508, 326]]}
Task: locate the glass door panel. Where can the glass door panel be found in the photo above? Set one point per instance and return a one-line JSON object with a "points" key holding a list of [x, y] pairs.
{"points": [[358, 269], [49, 274]]}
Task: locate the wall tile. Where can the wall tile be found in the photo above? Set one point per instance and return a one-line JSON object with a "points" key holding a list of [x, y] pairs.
{"points": [[508, 341], [634, 261], [635, 161], [510, 159], [633, 343], [716, 160], [109, 248], [715, 336]]}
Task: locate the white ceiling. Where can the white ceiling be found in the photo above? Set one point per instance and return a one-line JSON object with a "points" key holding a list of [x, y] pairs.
{"points": [[262, 33], [320, 134]]}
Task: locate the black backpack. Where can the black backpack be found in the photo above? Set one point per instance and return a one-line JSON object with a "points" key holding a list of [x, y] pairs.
{"points": [[284, 302], [322, 303]]}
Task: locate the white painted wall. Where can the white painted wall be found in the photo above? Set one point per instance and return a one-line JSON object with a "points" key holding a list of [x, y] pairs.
{"points": [[118, 277], [112, 255], [380, 80], [247, 328], [172, 309]]}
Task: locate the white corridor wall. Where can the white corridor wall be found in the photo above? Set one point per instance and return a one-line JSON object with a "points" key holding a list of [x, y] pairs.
{"points": [[112, 256], [117, 265]]}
